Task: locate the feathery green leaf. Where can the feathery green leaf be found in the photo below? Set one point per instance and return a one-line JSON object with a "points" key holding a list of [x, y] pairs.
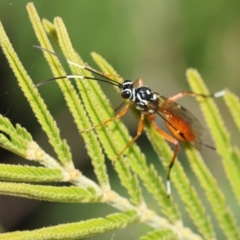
{"points": [[29, 173], [233, 104], [32, 95], [76, 230], [50, 29], [49, 193], [159, 234], [90, 107], [222, 141], [80, 110]]}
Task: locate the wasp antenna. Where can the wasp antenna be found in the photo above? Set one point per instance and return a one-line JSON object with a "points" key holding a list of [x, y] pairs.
{"points": [[57, 78], [59, 56], [208, 146], [81, 67], [220, 93], [75, 76]]}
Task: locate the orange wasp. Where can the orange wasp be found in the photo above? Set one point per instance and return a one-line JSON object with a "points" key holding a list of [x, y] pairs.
{"points": [[182, 124]]}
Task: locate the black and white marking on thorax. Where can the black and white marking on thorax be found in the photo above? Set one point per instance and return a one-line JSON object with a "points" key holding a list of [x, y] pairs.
{"points": [[143, 97]]}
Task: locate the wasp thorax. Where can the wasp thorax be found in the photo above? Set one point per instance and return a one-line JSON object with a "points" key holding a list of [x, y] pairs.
{"points": [[144, 94]]}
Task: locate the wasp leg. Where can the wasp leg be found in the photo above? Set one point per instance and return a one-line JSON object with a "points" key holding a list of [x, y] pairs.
{"points": [[192, 94], [171, 140], [138, 83], [119, 115], [139, 132]]}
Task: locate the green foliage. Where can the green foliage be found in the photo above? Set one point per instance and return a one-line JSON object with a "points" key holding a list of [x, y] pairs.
{"points": [[29, 173], [49, 193], [219, 133], [76, 230], [89, 108], [19, 137], [159, 234]]}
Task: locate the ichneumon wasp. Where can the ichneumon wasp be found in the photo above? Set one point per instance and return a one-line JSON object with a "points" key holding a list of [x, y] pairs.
{"points": [[182, 124]]}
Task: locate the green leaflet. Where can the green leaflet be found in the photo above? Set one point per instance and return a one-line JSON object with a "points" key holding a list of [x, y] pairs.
{"points": [[19, 141], [19, 173], [49, 193], [49, 28], [156, 235], [233, 103], [36, 102], [80, 110], [76, 230], [223, 147]]}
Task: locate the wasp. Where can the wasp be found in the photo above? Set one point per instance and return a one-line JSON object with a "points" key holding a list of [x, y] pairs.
{"points": [[182, 124]]}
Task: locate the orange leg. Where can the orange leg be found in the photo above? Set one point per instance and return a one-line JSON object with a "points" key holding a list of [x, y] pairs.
{"points": [[192, 94], [123, 111], [120, 106], [139, 132], [120, 114], [138, 83], [171, 140]]}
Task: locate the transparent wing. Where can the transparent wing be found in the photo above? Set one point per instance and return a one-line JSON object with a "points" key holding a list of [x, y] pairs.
{"points": [[180, 119]]}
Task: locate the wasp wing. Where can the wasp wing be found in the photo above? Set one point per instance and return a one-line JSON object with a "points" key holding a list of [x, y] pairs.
{"points": [[180, 119]]}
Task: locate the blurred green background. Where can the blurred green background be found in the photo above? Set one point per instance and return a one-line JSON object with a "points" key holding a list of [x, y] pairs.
{"points": [[154, 40]]}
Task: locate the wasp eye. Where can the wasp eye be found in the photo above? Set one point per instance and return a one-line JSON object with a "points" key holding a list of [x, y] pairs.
{"points": [[126, 94]]}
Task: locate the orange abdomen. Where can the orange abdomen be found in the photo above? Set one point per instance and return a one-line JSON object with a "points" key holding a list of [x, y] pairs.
{"points": [[181, 130]]}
